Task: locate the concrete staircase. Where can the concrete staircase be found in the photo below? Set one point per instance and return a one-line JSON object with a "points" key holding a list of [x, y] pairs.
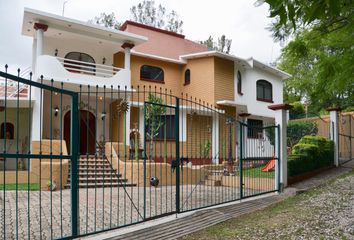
{"points": [[97, 173]]}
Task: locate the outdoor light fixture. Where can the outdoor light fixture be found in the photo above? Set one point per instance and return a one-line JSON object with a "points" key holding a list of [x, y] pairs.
{"points": [[103, 60], [103, 115], [56, 111], [56, 52]]}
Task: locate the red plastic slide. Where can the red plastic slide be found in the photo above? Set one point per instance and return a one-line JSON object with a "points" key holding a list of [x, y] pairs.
{"points": [[269, 166]]}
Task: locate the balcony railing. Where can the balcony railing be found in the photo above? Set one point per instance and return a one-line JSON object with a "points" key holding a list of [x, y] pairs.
{"points": [[88, 68]]}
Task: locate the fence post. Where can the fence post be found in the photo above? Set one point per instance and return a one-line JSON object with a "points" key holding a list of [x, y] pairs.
{"points": [[73, 166], [281, 121], [177, 157], [334, 132]]}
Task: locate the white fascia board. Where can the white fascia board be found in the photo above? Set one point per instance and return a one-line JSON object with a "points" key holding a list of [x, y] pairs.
{"points": [[270, 69], [230, 57], [140, 54], [227, 103], [67, 24]]}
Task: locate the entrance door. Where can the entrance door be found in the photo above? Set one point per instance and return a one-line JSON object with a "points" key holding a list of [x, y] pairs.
{"points": [[87, 131]]}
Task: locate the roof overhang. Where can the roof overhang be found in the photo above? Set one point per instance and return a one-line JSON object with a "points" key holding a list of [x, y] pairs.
{"points": [[283, 75], [227, 103], [243, 62], [32, 16]]}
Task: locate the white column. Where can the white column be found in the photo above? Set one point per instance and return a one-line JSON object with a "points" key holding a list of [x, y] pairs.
{"points": [[39, 37], [281, 147], [215, 139], [127, 52], [127, 58], [34, 55], [37, 107], [334, 132], [182, 125], [141, 126], [127, 123]]}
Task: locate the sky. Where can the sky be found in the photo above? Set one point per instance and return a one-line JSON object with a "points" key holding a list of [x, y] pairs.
{"points": [[239, 20]]}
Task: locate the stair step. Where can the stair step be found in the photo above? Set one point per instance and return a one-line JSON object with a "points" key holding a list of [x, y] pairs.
{"points": [[96, 174], [101, 179], [92, 160], [105, 185]]}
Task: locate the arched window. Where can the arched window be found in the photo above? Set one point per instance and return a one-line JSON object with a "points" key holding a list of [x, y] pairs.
{"points": [[80, 64], [7, 130], [151, 73], [187, 77], [264, 91], [239, 83]]}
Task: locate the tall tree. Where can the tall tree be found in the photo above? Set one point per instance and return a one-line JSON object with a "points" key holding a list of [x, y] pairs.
{"points": [[321, 52], [147, 13], [106, 20], [223, 44], [322, 68]]}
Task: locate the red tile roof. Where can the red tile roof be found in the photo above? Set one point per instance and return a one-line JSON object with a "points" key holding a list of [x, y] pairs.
{"points": [[161, 42]]}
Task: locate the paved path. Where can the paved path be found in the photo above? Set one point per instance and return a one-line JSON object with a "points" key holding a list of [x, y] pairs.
{"points": [[175, 228]]}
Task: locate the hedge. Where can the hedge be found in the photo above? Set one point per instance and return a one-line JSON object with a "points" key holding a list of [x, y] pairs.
{"points": [[311, 153]]}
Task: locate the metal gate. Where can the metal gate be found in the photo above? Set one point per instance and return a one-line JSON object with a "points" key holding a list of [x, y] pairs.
{"points": [[161, 155], [259, 158], [95, 158], [28, 209]]}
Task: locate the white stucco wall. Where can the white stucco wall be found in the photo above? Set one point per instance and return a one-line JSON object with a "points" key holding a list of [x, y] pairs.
{"points": [[94, 49], [249, 90]]}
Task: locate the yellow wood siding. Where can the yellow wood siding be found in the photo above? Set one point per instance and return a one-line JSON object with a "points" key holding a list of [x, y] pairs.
{"points": [[224, 80]]}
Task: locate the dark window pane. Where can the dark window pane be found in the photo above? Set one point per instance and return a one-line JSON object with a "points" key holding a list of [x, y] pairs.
{"points": [[151, 73], [254, 129], [264, 90], [259, 92], [267, 93], [239, 82], [187, 76], [167, 127]]}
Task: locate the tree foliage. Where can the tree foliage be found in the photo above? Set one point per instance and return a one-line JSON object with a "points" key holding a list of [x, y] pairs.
{"points": [[156, 16], [294, 16], [223, 44], [106, 20], [321, 52], [322, 68]]}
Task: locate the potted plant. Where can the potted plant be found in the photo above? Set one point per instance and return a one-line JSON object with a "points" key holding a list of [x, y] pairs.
{"points": [[51, 185]]}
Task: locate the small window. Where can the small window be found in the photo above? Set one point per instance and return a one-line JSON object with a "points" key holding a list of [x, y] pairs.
{"points": [[7, 131], [187, 77], [166, 129], [151, 73], [239, 83], [264, 91], [255, 128]]}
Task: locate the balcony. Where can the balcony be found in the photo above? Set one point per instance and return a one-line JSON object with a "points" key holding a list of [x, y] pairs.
{"points": [[73, 73]]}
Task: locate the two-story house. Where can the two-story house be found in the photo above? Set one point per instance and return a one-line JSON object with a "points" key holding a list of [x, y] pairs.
{"points": [[90, 59]]}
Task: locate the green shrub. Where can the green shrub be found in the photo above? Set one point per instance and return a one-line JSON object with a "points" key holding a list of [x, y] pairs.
{"points": [[311, 153], [297, 109], [296, 130]]}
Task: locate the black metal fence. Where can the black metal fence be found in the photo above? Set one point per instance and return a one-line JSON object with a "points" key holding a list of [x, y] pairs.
{"points": [[78, 160]]}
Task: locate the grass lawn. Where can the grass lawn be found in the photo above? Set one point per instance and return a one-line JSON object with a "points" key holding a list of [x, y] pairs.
{"points": [[321, 213], [20, 187], [256, 173]]}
